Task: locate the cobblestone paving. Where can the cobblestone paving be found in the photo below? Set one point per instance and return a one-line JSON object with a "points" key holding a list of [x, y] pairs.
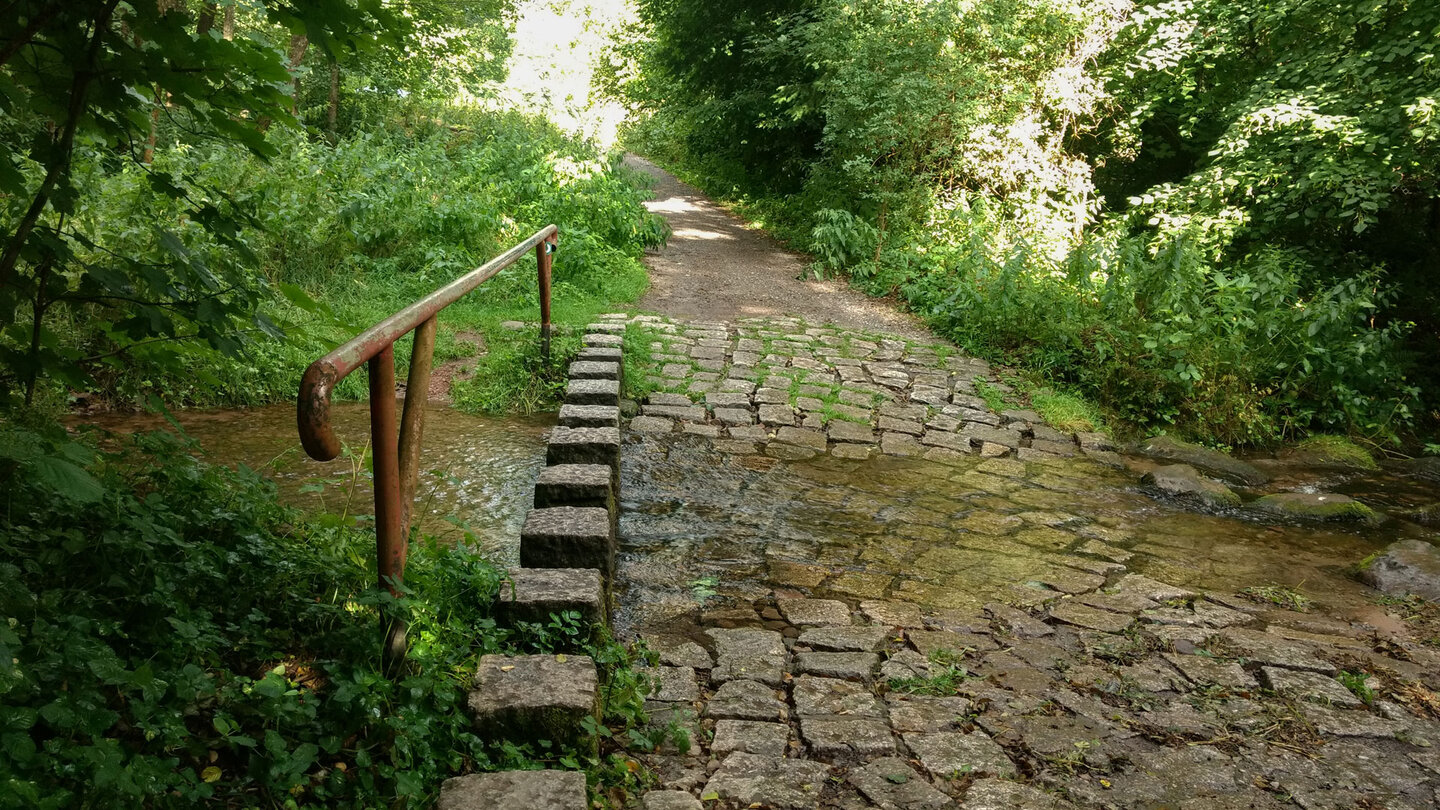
{"points": [[915, 600]]}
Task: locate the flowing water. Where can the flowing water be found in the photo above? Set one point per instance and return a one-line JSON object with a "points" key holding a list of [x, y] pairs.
{"points": [[747, 527], [476, 471]]}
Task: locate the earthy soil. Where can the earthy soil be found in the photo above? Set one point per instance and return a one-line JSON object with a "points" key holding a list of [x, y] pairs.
{"points": [[714, 268]]}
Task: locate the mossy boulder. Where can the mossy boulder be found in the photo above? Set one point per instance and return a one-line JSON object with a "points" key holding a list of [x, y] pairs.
{"points": [[1183, 481], [1317, 506], [1211, 462], [1330, 452], [1405, 567]]}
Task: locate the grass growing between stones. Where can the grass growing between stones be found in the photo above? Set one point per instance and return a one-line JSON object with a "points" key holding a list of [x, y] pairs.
{"points": [[947, 673], [1285, 597]]}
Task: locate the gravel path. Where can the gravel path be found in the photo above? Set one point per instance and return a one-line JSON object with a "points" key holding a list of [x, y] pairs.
{"points": [[715, 269]]}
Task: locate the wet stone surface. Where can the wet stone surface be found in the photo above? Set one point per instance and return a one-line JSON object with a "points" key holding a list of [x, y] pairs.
{"points": [[1004, 625]]}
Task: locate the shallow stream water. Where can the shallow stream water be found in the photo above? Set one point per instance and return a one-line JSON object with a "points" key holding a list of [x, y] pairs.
{"points": [[949, 537], [476, 471]]}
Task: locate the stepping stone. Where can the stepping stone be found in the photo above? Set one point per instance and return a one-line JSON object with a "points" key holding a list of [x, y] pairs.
{"points": [[603, 340], [568, 537], [574, 485], [891, 784], [948, 754], [669, 800], [611, 328], [746, 654], [592, 392], [751, 737], [814, 611], [752, 780], [850, 666], [535, 697], [533, 594], [608, 354], [555, 790], [845, 639], [594, 370], [744, 700], [589, 416], [672, 684], [584, 446]]}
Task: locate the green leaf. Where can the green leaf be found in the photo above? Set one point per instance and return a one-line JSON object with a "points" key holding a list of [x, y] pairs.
{"points": [[66, 479]]}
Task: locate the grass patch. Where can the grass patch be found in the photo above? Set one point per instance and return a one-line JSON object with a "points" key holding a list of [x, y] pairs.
{"points": [[1281, 595], [947, 672], [1067, 412], [994, 398]]}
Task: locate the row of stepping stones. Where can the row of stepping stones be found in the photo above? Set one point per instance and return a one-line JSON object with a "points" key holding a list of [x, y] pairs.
{"points": [[567, 562]]}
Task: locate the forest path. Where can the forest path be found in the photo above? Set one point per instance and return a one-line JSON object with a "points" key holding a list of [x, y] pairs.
{"points": [[716, 269]]}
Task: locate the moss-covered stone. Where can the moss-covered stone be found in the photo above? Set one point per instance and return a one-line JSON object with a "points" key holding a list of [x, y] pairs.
{"points": [[1333, 452], [1317, 506], [1182, 481], [1210, 462]]}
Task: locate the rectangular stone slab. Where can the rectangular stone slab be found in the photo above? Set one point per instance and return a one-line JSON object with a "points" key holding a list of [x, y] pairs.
{"points": [[592, 392], [591, 416], [527, 698], [533, 594], [602, 353], [556, 790], [600, 339], [574, 485], [584, 446], [594, 370], [568, 537]]}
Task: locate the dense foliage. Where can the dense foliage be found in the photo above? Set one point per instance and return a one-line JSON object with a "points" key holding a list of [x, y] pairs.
{"points": [[1214, 216], [174, 638]]}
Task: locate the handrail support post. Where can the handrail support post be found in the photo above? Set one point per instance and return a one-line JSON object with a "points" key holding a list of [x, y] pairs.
{"points": [[544, 256]]}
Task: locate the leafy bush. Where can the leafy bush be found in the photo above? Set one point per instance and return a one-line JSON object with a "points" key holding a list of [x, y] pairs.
{"points": [[174, 638]]}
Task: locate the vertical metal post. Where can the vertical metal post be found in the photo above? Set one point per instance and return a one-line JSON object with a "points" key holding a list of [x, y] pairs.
{"points": [[542, 264], [412, 420], [389, 536]]}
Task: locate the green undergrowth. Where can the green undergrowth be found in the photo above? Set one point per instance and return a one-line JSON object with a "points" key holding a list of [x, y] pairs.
{"points": [[175, 638], [946, 673], [344, 235]]}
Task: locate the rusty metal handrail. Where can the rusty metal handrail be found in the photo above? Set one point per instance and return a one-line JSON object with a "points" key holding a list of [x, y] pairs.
{"points": [[396, 457]]}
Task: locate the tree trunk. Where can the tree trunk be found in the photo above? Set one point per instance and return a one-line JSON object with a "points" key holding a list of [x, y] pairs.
{"points": [[227, 29], [334, 110], [298, 44], [59, 161], [207, 18]]}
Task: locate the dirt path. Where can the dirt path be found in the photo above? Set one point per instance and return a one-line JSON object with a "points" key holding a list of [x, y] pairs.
{"points": [[715, 269]]}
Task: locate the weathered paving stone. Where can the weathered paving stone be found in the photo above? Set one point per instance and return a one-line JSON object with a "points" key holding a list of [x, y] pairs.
{"points": [[905, 664], [996, 794], [752, 433], [594, 370], [851, 666], [949, 441], [691, 413], [801, 437], [584, 446], [1017, 622], [777, 415], [652, 425], [922, 714], [773, 396], [727, 400], [752, 780], [745, 654], [948, 754], [832, 696], [1310, 686], [692, 429], [899, 444], [589, 416], [789, 452], [750, 737], [534, 594], [534, 697], [744, 700], [670, 399], [573, 485], [852, 451], [929, 641], [891, 784], [681, 653], [814, 612], [1268, 648], [846, 737], [1202, 670], [603, 340], [845, 639], [505, 790], [1072, 612], [592, 392], [734, 416], [668, 800], [890, 423], [568, 537], [842, 431], [893, 614], [671, 684]]}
